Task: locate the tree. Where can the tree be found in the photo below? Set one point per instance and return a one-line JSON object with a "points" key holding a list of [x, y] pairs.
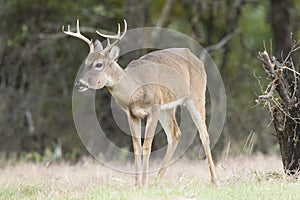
{"points": [[283, 22], [284, 106], [282, 96]]}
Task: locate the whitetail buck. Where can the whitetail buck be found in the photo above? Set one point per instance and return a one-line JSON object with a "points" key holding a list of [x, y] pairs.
{"points": [[150, 87]]}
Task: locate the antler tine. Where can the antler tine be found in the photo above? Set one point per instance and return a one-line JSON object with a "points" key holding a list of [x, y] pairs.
{"points": [[110, 36], [117, 37], [77, 26], [119, 29], [78, 35]]}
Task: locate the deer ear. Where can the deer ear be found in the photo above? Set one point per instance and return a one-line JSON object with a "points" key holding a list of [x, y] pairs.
{"points": [[114, 53], [98, 45]]}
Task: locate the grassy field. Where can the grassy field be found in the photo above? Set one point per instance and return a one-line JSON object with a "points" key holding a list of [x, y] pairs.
{"points": [[256, 177]]}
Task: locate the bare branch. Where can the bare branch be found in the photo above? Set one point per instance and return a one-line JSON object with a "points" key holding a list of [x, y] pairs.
{"points": [[273, 69], [277, 104], [268, 96], [292, 70], [293, 49], [218, 45], [163, 18], [222, 42]]}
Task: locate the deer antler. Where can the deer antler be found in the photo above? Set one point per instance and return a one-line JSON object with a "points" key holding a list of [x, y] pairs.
{"points": [[117, 37], [77, 34]]}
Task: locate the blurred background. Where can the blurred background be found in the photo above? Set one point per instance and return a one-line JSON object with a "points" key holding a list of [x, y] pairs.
{"points": [[38, 65]]}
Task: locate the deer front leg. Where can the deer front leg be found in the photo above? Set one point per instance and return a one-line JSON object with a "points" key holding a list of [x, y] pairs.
{"points": [[152, 120], [135, 128]]}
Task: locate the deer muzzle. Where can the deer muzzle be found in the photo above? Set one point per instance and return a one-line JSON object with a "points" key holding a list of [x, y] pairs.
{"points": [[79, 85]]}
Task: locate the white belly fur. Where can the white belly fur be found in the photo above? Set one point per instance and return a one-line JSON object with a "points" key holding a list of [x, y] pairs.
{"points": [[171, 105]]}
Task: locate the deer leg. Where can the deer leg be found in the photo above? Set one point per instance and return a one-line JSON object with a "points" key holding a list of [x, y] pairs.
{"points": [[200, 123], [152, 120], [170, 126], [135, 128]]}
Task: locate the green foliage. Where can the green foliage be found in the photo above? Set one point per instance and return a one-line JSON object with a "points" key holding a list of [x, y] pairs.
{"points": [[255, 35], [23, 192], [32, 156]]}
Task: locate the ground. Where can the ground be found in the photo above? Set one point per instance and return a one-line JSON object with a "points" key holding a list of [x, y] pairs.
{"points": [[255, 177]]}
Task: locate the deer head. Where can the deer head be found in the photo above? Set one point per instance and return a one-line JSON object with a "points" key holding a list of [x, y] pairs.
{"points": [[96, 72]]}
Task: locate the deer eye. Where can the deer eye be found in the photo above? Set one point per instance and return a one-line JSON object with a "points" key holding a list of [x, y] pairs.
{"points": [[98, 65]]}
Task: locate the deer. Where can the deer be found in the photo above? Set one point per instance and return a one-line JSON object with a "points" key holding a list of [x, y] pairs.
{"points": [[174, 77]]}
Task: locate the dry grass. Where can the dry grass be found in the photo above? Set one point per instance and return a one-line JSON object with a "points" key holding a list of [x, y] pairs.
{"points": [[89, 179]]}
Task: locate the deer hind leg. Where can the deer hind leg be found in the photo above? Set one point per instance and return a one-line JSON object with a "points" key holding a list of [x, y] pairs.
{"points": [[200, 123], [151, 124], [170, 126]]}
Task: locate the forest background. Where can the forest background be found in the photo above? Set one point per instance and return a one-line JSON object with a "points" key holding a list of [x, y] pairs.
{"points": [[38, 66]]}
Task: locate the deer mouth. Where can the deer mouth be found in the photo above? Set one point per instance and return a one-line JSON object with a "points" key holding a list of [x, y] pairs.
{"points": [[80, 86]]}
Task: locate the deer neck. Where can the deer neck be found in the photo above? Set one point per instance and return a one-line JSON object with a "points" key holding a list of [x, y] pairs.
{"points": [[123, 86], [115, 75]]}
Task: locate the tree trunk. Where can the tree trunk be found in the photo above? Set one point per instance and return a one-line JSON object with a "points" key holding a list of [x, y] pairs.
{"points": [[283, 21], [288, 134], [137, 16], [282, 15], [282, 98], [137, 13]]}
